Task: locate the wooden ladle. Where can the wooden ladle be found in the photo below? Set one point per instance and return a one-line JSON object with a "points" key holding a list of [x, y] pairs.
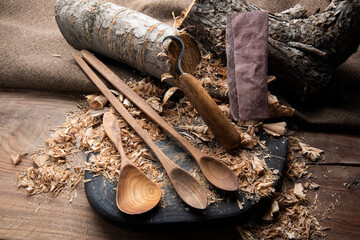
{"points": [[218, 174], [135, 192], [187, 187]]}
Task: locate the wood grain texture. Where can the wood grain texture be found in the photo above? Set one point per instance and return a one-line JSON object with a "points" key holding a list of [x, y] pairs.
{"points": [[223, 130], [24, 123], [338, 205], [188, 188], [136, 193], [228, 183], [341, 149], [171, 213], [338, 175]]}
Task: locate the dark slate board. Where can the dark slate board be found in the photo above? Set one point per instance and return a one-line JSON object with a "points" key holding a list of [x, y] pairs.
{"points": [[101, 195]]}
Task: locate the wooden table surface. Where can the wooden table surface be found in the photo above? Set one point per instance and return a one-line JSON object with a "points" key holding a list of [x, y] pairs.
{"points": [[26, 120]]}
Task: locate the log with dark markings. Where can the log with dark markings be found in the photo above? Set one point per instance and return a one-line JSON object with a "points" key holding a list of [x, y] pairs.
{"points": [[123, 34], [303, 51]]}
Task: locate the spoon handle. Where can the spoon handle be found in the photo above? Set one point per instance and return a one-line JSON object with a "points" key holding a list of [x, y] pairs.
{"points": [[165, 161], [187, 187], [112, 129], [140, 103]]}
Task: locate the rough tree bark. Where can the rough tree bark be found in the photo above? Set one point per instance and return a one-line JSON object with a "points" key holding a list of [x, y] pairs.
{"points": [[123, 34], [303, 51]]}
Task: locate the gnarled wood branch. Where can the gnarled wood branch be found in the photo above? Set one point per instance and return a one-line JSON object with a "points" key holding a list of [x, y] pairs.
{"points": [[303, 51]]}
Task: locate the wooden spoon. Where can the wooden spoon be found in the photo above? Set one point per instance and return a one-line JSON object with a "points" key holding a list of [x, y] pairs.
{"points": [[135, 192], [218, 174], [188, 188]]}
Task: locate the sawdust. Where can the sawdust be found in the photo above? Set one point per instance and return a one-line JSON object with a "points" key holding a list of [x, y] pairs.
{"points": [[83, 131], [213, 77], [289, 215], [54, 170]]}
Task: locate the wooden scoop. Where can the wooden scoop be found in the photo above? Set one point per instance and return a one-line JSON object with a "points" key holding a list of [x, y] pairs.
{"points": [[135, 192], [188, 188], [215, 171]]}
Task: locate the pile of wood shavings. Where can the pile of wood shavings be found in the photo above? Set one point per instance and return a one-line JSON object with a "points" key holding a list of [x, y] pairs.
{"points": [[289, 216], [83, 131], [213, 76], [49, 175], [254, 176]]}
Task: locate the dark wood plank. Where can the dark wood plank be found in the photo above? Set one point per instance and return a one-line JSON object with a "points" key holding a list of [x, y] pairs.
{"points": [[26, 119], [339, 148], [337, 205], [338, 198]]}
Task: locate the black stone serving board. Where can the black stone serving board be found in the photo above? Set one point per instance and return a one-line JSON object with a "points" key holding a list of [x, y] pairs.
{"points": [[101, 194]]}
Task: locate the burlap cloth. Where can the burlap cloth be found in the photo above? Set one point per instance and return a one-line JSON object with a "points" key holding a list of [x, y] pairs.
{"points": [[34, 55]]}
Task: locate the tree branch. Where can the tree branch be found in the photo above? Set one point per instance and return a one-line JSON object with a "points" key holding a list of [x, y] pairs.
{"points": [[303, 52]]}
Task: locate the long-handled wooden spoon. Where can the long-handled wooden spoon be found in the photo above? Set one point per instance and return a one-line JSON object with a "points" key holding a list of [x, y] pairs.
{"points": [[215, 171], [135, 193], [188, 188]]}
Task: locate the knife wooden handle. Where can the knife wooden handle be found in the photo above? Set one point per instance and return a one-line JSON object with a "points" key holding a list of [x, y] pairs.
{"points": [[223, 130]]}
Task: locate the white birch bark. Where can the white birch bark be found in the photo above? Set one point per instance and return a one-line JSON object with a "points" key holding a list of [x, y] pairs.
{"points": [[118, 33]]}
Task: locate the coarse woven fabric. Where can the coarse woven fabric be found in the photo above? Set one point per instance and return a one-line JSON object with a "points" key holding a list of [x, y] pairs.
{"points": [[34, 55], [246, 46]]}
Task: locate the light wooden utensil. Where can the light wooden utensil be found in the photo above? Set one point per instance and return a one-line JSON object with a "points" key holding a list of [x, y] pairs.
{"points": [[188, 188], [218, 174], [135, 192]]}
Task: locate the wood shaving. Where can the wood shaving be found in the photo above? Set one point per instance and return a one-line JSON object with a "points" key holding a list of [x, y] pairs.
{"points": [[248, 140], [296, 166], [291, 218], [275, 129], [311, 185], [212, 74], [311, 153], [51, 178], [17, 157], [272, 211], [201, 131], [258, 165], [169, 93], [54, 170], [96, 101], [299, 191], [276, 109], [155, 103], [271, 79], [167, 77], [40, 159]]}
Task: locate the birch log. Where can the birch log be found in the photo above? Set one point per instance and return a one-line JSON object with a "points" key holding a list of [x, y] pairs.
{"points": [[123, 34], [303, 51]]}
